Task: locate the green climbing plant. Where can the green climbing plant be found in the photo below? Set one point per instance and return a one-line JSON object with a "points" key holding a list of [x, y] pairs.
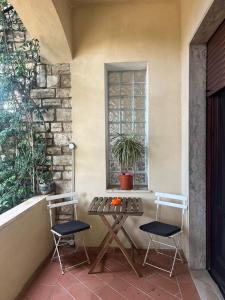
{"points": [[22, 151]]}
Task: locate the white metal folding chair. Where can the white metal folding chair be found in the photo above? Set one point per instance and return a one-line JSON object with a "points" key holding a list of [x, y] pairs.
{"points": [[172, 232], [67, 228]]}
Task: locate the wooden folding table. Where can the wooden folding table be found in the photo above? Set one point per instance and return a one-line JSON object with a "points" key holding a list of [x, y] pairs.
{"points": [[102, 207]]}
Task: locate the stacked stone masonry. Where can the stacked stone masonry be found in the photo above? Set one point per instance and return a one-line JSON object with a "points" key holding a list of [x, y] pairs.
{"points": [[53, 96]]}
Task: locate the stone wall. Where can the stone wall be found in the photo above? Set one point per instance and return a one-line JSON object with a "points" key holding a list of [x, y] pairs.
{"points": [[52, 95]]}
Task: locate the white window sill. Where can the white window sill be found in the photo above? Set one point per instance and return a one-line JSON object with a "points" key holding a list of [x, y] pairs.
{"points": [[13, 213], [129, 191]]}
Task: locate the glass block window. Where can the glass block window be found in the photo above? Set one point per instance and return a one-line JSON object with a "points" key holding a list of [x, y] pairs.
{"points": [[126, 112]]}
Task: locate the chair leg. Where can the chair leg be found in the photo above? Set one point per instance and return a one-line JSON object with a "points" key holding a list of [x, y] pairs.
{"points": [[86, 253], [173, 264], [75, 243], [85, 249], [178, 247], [146, 255], [53, 255], [153, 242], [177, 253], [57, 250]]}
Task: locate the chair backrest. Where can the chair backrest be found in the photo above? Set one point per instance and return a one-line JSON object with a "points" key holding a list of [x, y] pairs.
{"points": [[51, 205], [180, 199]]}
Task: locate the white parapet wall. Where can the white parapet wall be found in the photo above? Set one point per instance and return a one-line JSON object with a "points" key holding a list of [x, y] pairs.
{"points": [[25, 242]]}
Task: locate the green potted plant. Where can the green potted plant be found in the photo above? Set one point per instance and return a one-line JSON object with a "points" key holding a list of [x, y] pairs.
{"points": [[128, 150], [46, 183]]}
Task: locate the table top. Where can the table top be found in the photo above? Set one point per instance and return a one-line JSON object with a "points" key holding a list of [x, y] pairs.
{"points": [[129, 206]]}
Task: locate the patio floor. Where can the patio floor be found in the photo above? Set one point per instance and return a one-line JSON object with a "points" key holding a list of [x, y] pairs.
{"points": [[116, 280]]}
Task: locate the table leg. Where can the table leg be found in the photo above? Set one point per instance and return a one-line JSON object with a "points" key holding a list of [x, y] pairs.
{"points": [[133, 245], [107, 235], [127, 235], [107, 241], [122, 248]]}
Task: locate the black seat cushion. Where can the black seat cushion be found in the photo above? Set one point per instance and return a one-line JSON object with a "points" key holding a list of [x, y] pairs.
{"points": [[159, 228], [70, 227]]}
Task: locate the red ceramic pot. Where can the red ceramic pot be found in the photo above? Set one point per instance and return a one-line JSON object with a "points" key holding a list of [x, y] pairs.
{"points": [[126, 181]]}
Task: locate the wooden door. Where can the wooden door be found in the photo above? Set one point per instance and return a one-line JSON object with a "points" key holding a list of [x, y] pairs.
{"points": [[216, 61], [216, 157], [216, 187]]}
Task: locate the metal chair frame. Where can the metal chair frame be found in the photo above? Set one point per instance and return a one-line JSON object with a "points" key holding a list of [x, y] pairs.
{"points": [[57, 236], [175, 238]]}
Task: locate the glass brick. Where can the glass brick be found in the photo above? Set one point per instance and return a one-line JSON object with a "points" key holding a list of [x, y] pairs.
{"points": [[139, 102], [127, 77], [126, 116], [139, 89], [114, 90], [126, 103], [114, 166], [111, 140], [126, 128], [114, 178], [114, 77], [139, 128], [141, 139], [140, 178], [140, 165], [114, 103], [130, 170], [111, 156], [114, 128], [114, 116], [139, 115], [139, 76], [143, 155], [126, 90]]}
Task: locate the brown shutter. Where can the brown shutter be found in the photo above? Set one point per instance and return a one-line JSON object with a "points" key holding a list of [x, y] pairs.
{"points": [[216, 61]]}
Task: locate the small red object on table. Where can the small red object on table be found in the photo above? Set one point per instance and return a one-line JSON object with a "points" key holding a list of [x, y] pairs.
{"points": [[116, 201]]}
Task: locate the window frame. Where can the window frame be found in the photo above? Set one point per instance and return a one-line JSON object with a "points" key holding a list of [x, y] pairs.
{"points": [[117, 67]]}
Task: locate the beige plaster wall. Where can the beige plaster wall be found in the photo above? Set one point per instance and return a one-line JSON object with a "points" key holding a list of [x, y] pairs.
{"points": [[128, 32], [25, 243], [64, 12], [192, 14], [50, 22]]}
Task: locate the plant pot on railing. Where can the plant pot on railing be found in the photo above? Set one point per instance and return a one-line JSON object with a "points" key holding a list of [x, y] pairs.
{"points": [[126, 181], [46, 188], [46, 185]]}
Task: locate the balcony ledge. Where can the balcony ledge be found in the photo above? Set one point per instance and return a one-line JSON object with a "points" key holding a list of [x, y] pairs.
{"points": [[26, 241], [15, 212]]}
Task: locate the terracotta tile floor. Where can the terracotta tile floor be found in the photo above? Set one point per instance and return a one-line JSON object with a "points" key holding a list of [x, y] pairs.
{"points": [[115, 281]]}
